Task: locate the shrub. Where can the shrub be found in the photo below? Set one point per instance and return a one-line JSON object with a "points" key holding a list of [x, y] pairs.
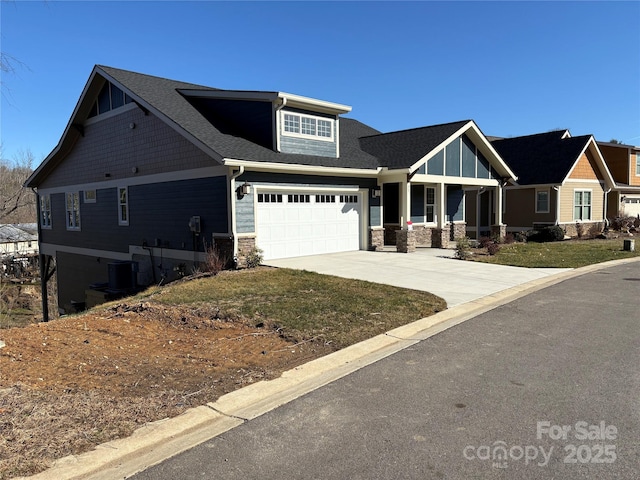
{"points": [[509, 238], [484, 242], [463, 249], [214, 261], [554, 233], [254, 258], [493, 248]]}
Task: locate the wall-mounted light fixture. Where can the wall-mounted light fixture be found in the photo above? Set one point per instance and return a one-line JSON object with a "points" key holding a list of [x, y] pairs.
{"points": [[376, 192], [245, 188]]}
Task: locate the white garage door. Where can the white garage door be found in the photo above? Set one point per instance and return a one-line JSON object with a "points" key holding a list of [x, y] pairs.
{"points": [[632, 206], [307, 223]]}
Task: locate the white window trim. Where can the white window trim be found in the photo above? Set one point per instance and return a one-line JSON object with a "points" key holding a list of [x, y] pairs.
{"points": [[47, 225], [543, 190], [70, 226], [637, 164], [304, 135], [122, 222], [575, 190]]}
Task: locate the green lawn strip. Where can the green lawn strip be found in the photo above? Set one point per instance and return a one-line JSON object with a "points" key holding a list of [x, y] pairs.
{"points": [[306, 305], [566, 254]]}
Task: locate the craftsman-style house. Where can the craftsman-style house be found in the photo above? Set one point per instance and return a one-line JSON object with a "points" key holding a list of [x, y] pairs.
{"points": [[150, 172]]}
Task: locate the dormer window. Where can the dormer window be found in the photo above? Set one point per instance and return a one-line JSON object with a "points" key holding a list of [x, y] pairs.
{"points": [[308, 126]]}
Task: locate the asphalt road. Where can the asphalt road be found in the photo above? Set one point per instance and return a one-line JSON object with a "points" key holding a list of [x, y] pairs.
{"points": [[547, 386]]}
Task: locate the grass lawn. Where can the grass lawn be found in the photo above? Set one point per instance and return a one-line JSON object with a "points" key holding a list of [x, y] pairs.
{"points": [[566, 254], [303, 304]]}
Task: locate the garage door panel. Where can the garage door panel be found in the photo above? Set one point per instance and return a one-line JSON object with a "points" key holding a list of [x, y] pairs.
{"points": [[297, 228]]}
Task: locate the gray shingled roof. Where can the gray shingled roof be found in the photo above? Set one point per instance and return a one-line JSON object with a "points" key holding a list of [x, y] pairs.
{"points": [[163, 95], [544, 158], [404, 148], [361, 146]]}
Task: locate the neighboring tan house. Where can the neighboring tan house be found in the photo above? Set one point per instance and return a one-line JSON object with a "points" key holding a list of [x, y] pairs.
{"points": [[623, 162], [149, 171], [18, 240], [562, 180]]}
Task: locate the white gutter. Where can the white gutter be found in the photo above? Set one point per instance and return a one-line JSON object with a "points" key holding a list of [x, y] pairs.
{"points": [[557, 189], [232, 191], [290, 167], [277, 122], [606, 220]]}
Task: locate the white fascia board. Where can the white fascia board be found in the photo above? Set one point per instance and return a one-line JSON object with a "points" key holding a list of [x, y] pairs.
{"points": [[448, 180], [298, 101], [536, 185], [298, 168]]}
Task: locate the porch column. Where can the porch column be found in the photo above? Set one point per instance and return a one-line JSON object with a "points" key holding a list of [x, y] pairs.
{"points": [[499, 200], [499, 229], [441, 195], [405, 204]]}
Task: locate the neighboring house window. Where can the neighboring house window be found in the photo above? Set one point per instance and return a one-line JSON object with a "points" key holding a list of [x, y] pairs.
{"points": [[638, 164], [89, 196], [431, 205], [73, 211], [45, 211], [308, 126], [582, 205], [542, 201], [123, 206]]}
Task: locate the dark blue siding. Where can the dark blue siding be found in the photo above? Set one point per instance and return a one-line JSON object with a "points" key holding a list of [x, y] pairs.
{"points": [[156, 211]]}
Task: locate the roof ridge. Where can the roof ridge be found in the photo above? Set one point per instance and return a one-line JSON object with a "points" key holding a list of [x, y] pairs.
{"points": [[532, 135], [418, 128], [106, 68]]}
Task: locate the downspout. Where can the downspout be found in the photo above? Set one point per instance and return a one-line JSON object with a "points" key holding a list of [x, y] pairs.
{"points": [[557, 189], [606, 220], [277, 122], [234, 232], [43, 275]]}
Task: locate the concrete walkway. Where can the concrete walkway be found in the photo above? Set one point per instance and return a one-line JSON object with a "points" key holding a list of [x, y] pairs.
{"points": [[429, 269]]}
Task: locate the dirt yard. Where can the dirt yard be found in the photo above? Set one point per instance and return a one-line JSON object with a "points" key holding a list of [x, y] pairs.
{"points": [[76, 382]]}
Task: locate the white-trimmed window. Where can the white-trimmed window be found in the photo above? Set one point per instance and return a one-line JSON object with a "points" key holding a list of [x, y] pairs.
{"points": [[123, 206], [638, 164], [430, 205], [542, 201], [73, 210], [89, 196], [45, 211], [308, 126], [582, 204]]}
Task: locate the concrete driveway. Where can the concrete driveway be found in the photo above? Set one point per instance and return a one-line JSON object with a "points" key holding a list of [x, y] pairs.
{"points": [[429, 269]]}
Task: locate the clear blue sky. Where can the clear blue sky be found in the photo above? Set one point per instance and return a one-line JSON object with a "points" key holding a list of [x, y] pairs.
{"points": [[516, 68]]}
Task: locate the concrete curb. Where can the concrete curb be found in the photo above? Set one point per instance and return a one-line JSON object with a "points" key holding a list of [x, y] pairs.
{"points": [[157, 441]]}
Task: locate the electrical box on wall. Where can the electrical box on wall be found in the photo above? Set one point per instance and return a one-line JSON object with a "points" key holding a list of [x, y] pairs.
{"points": [[194, 224]]}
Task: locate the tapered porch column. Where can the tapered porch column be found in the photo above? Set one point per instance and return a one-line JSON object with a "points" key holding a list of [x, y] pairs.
{"points": [[498, 229]]}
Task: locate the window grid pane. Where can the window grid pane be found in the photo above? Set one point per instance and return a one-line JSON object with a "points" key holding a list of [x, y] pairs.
{"points": [[324, 128], [308, 126], [291, 123]]}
